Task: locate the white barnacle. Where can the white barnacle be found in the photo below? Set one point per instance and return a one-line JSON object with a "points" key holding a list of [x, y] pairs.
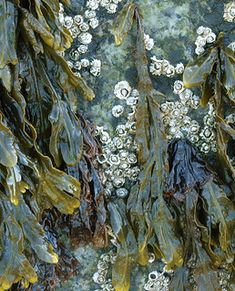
{"points": [[200, 30], [85, 38], [118, 182], [104, 137], [85, 63], [186, 95], [102, 159], [84, 27], [123, 154], [121, 130], [178, 87], [155, 67], [61, 18], [77, 65], [232, 46], [95, 67], [121, 192], [131, 101], [194, 102], [74, 31], [74, 55], [118, 142], [82, 48], [199, 50], [211, 37], [207, 31], [89, 14], [78, 19], [148, 42], [114, 159], [68, 21], [104, 3], [92, 4], [61, 10], [200, 41], [164, 107], [194, 127], [122, 90], [111, 8], [229, 11], [132, 159], [205, 148], [179, 68], [98, 278], [169, 71], [94, 22]]}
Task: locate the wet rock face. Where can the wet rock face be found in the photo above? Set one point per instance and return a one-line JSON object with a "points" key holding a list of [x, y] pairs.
{"points": [[172, 25]]}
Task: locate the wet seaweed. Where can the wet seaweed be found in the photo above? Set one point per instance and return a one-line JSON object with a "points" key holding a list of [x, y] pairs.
{"points": [[41, 136], [179, 207]]}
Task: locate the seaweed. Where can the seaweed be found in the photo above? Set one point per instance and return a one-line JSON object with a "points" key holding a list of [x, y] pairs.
{"points": [[41, 135], [214, 73], [179, 207]]}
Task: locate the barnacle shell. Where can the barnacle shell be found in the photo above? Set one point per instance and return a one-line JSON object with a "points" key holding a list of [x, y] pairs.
{"points": [[85, 38], [118, 181], [211, 37], [104, 137], [117, 110], [74, 55], [114, 159], [169, 71], [132, 159], [95, 67], [82, 48], [89, 14], [94, 22], [85, 63], [68, 21], [156, 66], [178, 87], [111, 8], [121, 130], [74, 31], [118, 142], [179, 68], [149, 42], [122, 90], [123, 154], [92, 4], [200, 30], [122, 192], [232, 45], [199, 50], [78, 19], [84, 26]]}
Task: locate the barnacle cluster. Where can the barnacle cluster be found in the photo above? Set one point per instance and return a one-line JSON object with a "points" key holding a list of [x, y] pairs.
{"points": [[205, 36], [229, 11], [163, 67], [118, 158], [179, 124], [157, 281], [109, 5], [81, 28], [102, 276]]}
